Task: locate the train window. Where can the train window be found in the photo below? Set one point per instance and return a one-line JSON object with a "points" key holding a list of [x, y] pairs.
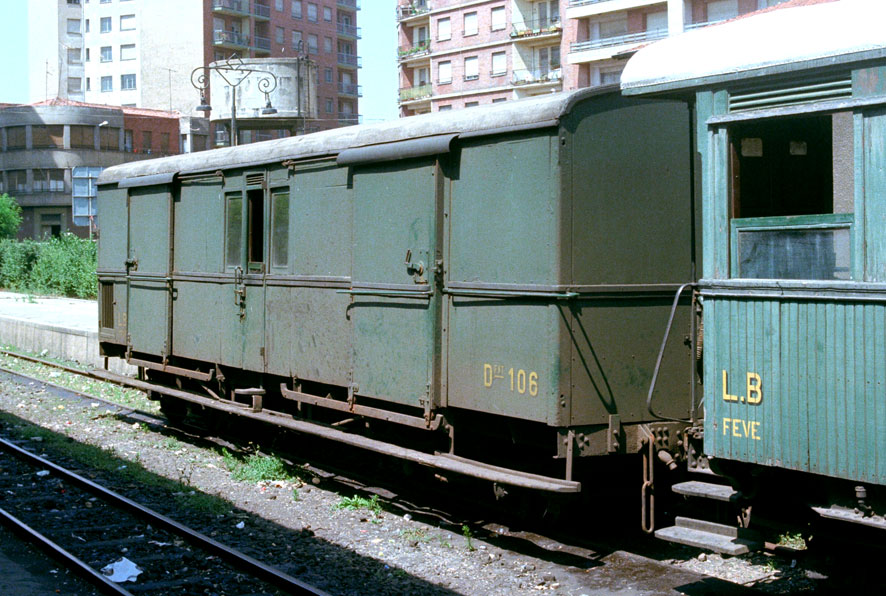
{"points": [[233, 227], [792, 197], [280, 229], [256, 230]]}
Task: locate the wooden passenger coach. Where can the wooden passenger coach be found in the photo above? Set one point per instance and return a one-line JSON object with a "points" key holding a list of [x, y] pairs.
{"points": [[790, 132], [486, 277]]}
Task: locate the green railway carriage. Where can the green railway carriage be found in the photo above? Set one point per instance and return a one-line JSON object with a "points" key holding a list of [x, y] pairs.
{"points": [[490, 284], [790, 133]]}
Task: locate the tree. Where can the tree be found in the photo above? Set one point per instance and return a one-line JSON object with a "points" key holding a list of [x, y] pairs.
{"points": [[10, 216]]}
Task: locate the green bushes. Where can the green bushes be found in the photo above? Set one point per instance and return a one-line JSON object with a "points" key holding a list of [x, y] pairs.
{"points": [[61, 266]]}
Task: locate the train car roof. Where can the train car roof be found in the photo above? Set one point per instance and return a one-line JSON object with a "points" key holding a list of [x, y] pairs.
{"points": [[421, 130], [773, 42]]}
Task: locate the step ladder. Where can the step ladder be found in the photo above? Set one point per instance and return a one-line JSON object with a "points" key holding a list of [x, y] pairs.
{"points": [[720, 538]]}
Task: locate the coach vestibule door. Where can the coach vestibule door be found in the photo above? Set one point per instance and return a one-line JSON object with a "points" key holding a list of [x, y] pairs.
{"points": [[147, 268], [395, 308]]}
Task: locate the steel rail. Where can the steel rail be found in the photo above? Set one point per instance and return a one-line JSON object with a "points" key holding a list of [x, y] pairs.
{"points": [[105, 585], [240, 560]]}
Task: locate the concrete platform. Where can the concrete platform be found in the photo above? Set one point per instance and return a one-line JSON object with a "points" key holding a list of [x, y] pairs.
{"points": [[64, 328]]}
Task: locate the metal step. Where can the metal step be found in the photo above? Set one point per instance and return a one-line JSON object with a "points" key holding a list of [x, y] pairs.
{"points": [[726, 540], [707, 490]]}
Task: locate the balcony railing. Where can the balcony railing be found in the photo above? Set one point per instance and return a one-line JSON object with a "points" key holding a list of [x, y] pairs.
{"points": [[690, 26], [605, 42], [537, 75], [536, 27], [349, 30], [414, 9], [346, 118], [352, 4], [349, 60], [350, 89], [263, 43], [261, 10], [231, 6], [416, 49], [417, 92], [583, 2], [231, 38]]}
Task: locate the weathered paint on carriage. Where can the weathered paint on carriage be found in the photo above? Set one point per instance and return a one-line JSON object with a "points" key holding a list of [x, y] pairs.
{"points": [[797, 384]]}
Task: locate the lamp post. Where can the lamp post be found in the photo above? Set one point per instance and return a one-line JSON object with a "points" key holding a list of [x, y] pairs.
{"points": [[234, 72]]}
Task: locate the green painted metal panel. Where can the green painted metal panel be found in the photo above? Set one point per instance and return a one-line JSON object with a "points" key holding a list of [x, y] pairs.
{"points": [[198, 329], [505, 358], [394, 337], [504, 213], [713, 148], [321, 216], [253, 329], [148, 314], [199, 227], [817, 369], [111, 203], [309, 334], [874, 189]]}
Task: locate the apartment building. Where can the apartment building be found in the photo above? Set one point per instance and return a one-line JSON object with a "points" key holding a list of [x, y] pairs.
{"points": [[460, 53], [141, 53]]}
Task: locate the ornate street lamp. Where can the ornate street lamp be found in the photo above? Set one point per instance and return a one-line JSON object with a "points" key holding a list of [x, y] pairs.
{"points": [[234, 72]]}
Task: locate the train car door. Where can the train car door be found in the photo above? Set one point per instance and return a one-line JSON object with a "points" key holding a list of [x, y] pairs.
{"points": [[147, 268], [394, 309], [246, 259]]}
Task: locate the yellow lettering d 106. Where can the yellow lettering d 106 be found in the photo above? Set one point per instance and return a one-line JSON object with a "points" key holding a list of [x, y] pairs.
{"points": [[487, 375]]}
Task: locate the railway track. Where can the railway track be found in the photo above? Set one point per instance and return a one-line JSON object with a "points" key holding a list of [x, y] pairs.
{"points": [[89, 527]]}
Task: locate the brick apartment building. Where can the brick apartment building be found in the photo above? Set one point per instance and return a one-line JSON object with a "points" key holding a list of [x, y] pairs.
{"points": [[459, 53]]}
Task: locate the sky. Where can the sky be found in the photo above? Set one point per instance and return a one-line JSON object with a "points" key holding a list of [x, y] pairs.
{"points": [[378, 48]]}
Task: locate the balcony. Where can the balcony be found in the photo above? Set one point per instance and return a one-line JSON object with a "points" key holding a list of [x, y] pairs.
{"points": [[536, 76], [261, 12], [237, 8], [415, 93], [262, 44], [618, 40], [536, 28], [345, 30], [351, 89], [415, 9], [351, 4], [415, 50], [347, 119], [230, 39], [583, 2], [699, 25], [350, 60]]}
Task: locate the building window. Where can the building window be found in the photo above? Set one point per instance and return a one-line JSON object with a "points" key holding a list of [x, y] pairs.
{"points": [[444, 29], [613, 28], [313, 42], [87, 25], [445, 108], [88, 85], [127, 141], [610, 77], [127, 51], [147, 142], [327, 75], [103, 1], [127, 22], [296, 39], [278, 5], [296, 9], [329, 105], [127, 82], [75, 84], [164, 142], [52, 180], [472, 68], [106, 25], [722, 10], [15, 137], [82, 137], [280, 32], [657, 21], [444, 72], [280, 228], [74, 2], [472, 104], [18, 180], [87, 54], [74, 55], [499, 99], [109, 138], [312, 12], [43, 136], [106, 54], [327, 14], [107, 84], [498, 18], [499, 63], [74, 26], [470, 23], [327, 45]]}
